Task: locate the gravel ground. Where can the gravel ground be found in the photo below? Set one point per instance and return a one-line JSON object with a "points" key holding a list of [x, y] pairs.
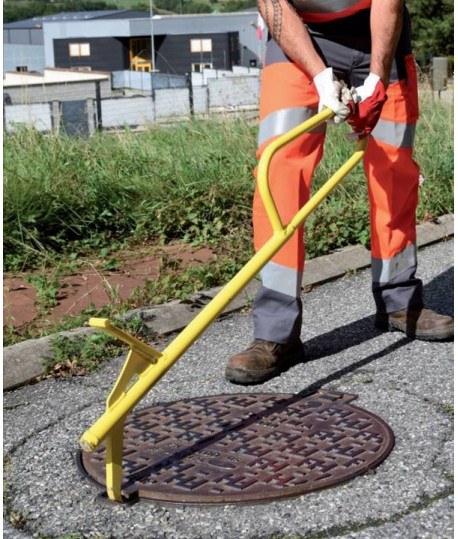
{"points": [[407, 383]]}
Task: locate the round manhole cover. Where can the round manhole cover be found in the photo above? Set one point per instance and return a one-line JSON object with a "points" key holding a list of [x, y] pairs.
{"points": [[245, 448]]}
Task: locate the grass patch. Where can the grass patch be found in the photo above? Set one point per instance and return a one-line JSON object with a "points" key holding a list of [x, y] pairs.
{"points": [[434, 153], [82, 354], [13, 335], [189, 182], [46, 287], [448, 408], [70, 201], [172, 284]]}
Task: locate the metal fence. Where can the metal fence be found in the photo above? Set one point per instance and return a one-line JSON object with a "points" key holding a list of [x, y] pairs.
{"points": [[82, 116]]}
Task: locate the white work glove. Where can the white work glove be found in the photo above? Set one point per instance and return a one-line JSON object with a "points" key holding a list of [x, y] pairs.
{"points": [[330, 92]]}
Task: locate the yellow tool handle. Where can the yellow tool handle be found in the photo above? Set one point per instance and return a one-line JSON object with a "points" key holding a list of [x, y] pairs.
{"points": [[268, 153]]}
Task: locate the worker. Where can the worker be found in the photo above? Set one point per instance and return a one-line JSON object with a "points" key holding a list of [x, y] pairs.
{"points": [[314, 44]]}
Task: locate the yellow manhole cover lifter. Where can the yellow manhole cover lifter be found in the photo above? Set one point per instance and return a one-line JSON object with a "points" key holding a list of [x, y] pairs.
{"points": [[144, 366]]}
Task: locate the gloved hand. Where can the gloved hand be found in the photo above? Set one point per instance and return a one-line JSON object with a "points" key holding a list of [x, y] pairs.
{"points": [[330, 93], [368, 102]]}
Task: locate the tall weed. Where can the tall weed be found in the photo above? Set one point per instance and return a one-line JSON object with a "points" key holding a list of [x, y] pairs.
{"points": [[191, 181], [63, 195]]}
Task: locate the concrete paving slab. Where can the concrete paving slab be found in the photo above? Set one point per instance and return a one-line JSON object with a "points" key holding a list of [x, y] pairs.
{"points": [[431, 232], [407, 383], [325, 268], [24, 361]]}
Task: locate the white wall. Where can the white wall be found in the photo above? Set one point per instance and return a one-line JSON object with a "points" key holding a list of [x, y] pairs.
{"points": [[234, 92], [133, 111], [169, 103], [32, 56], [37, 115]]}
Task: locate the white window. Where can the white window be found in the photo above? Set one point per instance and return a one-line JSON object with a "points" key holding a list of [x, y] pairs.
{"points": [[79, 49], [201, 45], [85, 49], [200, 66]]}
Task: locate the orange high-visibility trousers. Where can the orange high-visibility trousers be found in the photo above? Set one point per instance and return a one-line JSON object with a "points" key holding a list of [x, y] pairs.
{"points": [[289, 97]]}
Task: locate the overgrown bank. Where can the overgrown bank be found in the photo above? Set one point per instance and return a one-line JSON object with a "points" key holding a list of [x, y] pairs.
{"points": [[69, 199], [191, 182]]}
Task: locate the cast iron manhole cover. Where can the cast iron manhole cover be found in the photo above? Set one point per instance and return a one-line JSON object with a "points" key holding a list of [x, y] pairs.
{"points": [[245, 447]]}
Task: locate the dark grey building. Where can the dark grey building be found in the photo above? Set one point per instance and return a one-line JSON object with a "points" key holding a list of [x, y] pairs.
{"points": [[23, 41], [121, 40]]}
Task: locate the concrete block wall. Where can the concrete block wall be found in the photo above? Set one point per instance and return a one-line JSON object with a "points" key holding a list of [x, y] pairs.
{"points": [[201, 79], [234, 92], [144, 81], [36, 115], [134, 111], [200, 99], [238, 70], [169, 103], [221, 95], [70, 91]]}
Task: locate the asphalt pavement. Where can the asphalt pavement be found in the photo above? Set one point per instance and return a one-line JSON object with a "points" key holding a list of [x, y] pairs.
{"points": [[407, 383]]}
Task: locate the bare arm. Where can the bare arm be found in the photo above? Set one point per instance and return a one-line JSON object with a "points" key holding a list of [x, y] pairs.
{"points": [[386, 25], [290, 33]]}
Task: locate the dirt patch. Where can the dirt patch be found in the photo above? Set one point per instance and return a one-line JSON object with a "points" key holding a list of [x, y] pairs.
{"points": [[93, 285]]}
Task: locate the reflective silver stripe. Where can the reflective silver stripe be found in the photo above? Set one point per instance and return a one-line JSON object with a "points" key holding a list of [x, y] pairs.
{"points": [[282, 279], [281, 121], [396, 134], [385, 270], [324, 6]]}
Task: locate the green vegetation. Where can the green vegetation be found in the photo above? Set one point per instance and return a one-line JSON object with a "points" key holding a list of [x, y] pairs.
{"points": [[190, 182], [178, 6], [432, 28], [174, 284], [16, 10], [46, 287], [448, 408], [82, 354]]}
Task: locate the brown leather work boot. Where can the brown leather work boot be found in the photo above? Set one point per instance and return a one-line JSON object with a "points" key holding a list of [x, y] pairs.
{"points": [[261, 361], [417, 323]]}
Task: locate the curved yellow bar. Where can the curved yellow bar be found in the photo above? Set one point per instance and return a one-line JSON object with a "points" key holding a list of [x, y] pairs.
{"points": [[266, 157]]}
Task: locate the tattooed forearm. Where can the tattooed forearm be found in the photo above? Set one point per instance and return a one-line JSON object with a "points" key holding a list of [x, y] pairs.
{"points": [[266, 7], [272, 12], [291, 34], [293, 10], [277, 20]]}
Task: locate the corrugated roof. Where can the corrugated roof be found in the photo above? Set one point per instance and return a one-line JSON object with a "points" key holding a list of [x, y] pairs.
{"points": [[36, 22], [51, 76]]}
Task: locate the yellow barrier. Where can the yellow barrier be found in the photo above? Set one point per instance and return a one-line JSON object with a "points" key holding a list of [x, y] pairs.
{"points": [[145, 366]]}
